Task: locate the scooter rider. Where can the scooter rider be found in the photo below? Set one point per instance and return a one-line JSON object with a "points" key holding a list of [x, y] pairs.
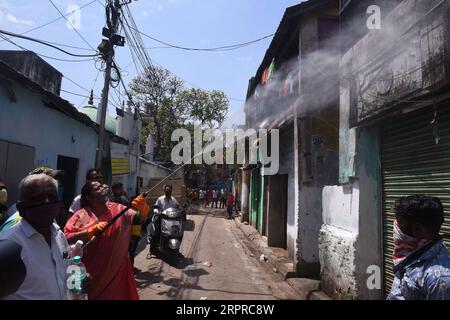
{"points": [[167, 200], [164, 202]]}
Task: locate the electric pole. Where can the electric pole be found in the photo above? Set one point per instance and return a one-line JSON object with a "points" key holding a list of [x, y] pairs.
{"points": [[106, 48]]}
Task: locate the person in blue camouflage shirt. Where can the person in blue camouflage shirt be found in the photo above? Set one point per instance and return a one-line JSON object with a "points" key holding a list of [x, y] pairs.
{"points": [[421, 260]]}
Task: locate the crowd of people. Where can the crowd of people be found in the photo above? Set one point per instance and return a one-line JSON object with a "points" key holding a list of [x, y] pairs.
{"points": [[43, 230], [213, 198], [39, 223]]}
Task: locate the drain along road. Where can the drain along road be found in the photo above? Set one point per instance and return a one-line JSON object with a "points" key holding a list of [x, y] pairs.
{"points": [[215, 264]]}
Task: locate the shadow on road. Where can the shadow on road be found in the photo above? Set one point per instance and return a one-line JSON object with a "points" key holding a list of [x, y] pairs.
{"points": [[179, 261], [189, 225]]}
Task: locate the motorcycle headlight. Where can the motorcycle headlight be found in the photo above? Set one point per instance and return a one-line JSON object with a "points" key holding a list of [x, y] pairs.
{"points": [[174, 244]]}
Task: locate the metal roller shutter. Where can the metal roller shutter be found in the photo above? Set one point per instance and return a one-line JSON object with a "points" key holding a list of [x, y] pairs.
{"points": [[412, 163]]}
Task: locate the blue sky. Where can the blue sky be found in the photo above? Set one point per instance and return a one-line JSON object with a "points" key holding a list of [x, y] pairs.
{"points": [[191, 23]]}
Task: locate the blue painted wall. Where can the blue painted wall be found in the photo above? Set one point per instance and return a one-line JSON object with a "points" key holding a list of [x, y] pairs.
{"points": [[29, 122]]}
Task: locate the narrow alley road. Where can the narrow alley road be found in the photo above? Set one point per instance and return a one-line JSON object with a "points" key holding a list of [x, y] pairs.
{"points": [[216, 265]]}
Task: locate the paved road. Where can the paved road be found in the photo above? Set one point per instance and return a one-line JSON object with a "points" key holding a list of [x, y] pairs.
{"points": [[216, 265]]}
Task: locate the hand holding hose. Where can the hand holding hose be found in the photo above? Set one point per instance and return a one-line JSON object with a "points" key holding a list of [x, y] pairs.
{"points": [[140, 204], [92, 231]]}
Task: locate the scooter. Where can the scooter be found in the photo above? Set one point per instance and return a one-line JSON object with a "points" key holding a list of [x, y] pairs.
{"points": [[165, 231]]}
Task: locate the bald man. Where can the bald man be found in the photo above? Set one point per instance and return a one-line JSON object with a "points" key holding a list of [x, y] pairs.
{"points": [[45, 251]]}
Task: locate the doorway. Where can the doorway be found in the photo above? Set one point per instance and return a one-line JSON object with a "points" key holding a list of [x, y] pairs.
{"points": [[276, 227], [70, 167]]}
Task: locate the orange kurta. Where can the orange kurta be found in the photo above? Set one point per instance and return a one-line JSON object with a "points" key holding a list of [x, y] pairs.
{"points": [[107, 259]]}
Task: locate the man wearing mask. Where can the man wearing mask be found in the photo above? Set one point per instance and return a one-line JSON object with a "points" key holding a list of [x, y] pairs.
{"points": [[15, 217], [91, 175], [421, 260], [45, 251], [118, 194], [167, 200]]}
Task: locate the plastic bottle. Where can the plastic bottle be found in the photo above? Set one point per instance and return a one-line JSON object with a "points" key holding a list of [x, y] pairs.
{"points": [[77, 274], [77, 249]]}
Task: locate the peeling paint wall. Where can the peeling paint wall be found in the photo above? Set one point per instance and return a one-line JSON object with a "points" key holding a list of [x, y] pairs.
{"points": [[318, 147], [338, 262]]}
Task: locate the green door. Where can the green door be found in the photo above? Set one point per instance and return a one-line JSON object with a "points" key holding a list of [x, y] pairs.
{"points": [[261, 211], [412, 163], [253, 197]]}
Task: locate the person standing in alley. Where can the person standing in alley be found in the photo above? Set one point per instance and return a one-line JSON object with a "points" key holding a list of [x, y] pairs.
{"points": [[421, 260], [91, 175], [230, 205], [118, 194], [209, 195], [215, 196], [201, 196]]}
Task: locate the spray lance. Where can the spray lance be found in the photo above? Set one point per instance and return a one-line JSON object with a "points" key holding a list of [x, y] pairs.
{"points": [[144, 195], [140, 198], [121, 213]]}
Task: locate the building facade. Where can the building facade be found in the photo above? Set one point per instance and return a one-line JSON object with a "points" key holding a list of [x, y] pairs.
{"points": [[39, 128], [394, 142], [295, 91]]}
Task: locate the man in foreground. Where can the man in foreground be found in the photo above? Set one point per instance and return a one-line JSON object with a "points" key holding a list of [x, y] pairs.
{"points": [[421, 260]]}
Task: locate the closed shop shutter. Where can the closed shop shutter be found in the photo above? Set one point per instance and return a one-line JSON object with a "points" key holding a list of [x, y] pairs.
{"points": [[412, 163]]}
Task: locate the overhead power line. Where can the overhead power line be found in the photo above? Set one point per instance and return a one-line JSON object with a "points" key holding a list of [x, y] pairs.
{"points": [[78, 85], [40, 54], [77, 94], [54, 20], [74, 29], [46, 44], [223, 48]]}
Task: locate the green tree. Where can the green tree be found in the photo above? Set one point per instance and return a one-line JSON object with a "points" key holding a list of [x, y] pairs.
{"points": [[207, 108], [155, 90], [170, 105]]}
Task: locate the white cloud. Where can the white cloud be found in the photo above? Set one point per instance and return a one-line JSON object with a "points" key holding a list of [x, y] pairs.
{"points": [[11, 18]]}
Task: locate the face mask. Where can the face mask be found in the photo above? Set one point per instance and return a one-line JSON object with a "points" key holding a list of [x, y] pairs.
{"points": [[42, 216], [404, 244], [3, 197]]}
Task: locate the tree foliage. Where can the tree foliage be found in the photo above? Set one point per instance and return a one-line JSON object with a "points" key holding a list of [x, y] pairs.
{"points": [[170, 105]]}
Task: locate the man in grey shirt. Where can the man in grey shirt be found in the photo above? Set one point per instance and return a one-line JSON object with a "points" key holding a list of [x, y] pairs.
{"points": [[167, 200]]}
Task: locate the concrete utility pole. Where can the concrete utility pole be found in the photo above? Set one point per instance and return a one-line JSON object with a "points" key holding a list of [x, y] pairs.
{"points": [[107, 49]]}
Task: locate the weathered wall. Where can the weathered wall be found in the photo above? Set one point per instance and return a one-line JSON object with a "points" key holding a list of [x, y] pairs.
{"points": [[287, 167], [52, 133], [369, 244], [129, 129], [150, 170], [352, 212], [338, 262], [319, 143]]}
